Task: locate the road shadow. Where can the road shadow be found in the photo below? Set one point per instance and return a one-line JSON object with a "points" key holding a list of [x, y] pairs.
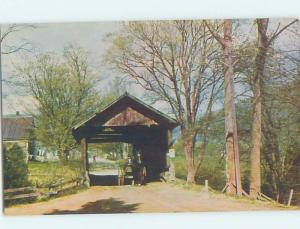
{"points": [[106, 180], [105, 206]]}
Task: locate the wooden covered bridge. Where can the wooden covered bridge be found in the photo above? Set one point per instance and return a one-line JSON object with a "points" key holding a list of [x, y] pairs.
{"points": [[129, 120]]}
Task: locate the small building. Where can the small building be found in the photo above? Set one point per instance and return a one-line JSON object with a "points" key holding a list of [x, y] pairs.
{"points": [[129, 120], [16, 129]]}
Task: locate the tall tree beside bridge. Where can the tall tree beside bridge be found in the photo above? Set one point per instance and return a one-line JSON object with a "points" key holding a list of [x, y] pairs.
{"points": [[233, 185], [264, 42], [177, 63]]}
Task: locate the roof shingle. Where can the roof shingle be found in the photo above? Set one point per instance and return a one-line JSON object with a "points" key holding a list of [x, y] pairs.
{"points": [[16, 127]]}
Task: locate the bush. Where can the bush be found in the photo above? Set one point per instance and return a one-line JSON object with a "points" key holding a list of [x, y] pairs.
{"points": [[15, 167]]}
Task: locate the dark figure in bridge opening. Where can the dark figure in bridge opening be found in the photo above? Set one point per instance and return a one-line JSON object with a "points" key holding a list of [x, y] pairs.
{"points": [[139, 168]]}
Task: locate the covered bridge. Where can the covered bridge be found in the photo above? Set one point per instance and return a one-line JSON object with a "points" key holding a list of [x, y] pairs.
{"points": [[130, 120]]}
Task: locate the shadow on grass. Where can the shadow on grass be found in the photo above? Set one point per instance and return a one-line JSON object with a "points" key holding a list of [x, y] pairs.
{"points": [[106, 206]]}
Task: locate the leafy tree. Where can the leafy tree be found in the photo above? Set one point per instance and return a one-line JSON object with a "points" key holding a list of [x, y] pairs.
{"points": [[15, 168], [260, 68], [281, 145], [264, 42], [65, 93]]}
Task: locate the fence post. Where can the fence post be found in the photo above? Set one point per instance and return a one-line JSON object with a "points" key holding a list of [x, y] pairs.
{"points": [[290, 197], [206, 186]]}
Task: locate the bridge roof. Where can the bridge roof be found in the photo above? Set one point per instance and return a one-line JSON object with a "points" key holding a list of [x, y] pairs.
{"points": [[126, 111]]}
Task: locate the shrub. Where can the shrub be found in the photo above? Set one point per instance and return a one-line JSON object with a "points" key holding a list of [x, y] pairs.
{"points": [[15, 167]]}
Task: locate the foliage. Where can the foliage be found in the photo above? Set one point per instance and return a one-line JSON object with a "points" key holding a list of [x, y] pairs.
{"points": [[65, 94], [15, 168], [122, 163], [212, 169], [281, 144], [112, 151]]}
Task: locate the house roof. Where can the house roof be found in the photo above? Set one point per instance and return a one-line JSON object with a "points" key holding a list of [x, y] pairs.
{"points": [[15, 127], [128, 101]]}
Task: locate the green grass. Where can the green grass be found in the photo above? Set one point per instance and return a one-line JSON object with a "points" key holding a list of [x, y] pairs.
{"points": [[211, 169], [67, 192], [186, 186], [180, 166], [42, 174]]}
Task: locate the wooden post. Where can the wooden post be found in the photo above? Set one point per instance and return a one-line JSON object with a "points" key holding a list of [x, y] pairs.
{"points": [[84, 158], [172, 170], [83, 153], [290, 197], [206, 185]]}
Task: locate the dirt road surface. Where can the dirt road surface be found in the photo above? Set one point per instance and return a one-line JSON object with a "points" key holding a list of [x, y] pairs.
{"points": [[154, 197]]}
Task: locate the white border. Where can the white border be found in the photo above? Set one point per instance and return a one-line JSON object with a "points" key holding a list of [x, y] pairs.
{"points": [[17, 11], [110, 10]]}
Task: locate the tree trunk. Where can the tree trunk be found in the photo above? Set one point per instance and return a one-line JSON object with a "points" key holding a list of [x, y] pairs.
{"points": [[67, 155], [1, 77], [190, 163], [189, 150], [61, 155], [255, 176], [232, 147], [84, 159]]}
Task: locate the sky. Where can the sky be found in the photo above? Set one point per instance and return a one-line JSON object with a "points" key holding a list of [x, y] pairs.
{"points": [[92, 37], [53, 38]]}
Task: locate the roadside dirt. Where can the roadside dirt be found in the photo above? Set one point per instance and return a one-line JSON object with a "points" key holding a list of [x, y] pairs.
{"points": [[154, 197]]}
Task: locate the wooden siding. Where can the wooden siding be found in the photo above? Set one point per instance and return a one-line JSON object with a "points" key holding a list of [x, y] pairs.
{"points": [[130, 117]]}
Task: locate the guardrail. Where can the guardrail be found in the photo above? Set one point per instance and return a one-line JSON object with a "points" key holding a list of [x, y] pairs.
{"points": [[62, 185], [21, 193], [32, 193]]}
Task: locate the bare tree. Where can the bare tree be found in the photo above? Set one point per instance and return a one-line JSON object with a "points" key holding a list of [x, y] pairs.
{"points": [[176, 62], [9, 30], [233, 185], [263, 42], [8, 49]]}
